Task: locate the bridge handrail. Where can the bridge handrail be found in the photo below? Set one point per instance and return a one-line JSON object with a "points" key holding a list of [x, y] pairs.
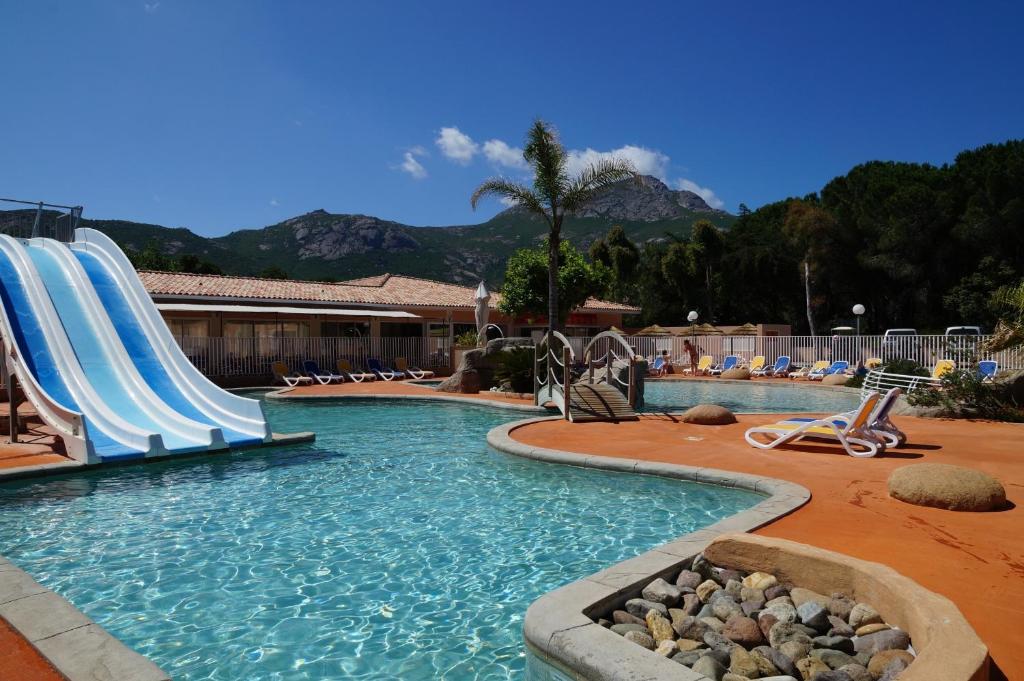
{"points": [[883, 380]]}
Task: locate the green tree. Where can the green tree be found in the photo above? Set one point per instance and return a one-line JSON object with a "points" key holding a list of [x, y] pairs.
{"points": [[707, 245], [622, 258], [554, 195], [807, 226], [195, 265], [273, 272], [526, 282]]}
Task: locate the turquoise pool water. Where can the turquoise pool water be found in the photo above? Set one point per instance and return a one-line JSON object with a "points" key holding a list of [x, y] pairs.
{"points": [[753, 397], [398, 546]]}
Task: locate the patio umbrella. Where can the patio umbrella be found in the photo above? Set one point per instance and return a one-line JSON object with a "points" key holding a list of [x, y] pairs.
{"points": [[747, 329], [654, 330], [482, 297], [706, 329]]}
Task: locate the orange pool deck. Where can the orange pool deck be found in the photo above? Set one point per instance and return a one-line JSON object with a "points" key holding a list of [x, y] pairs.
{"points": [[20, 661], [974, 559]]}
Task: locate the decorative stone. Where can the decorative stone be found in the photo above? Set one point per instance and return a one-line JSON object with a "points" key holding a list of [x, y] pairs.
{"points": [[872, 628], [640, 639], [623, 617], [760, 580], [765, 621], [729, 676], [691, 604], [840, 643], [725, 574], [813, 615], [690, 627], [795, 650], [744, 631], [703, 567], [713, 623], [839, 627], [781, 600], [660, 591], [741, 663], [783, 662], [781, 611], [688, 579], [801, 596], [687, 659], [708, 415], [716, 641], [709, 667], [890, 639], [944, 486], [810, 666], [623, 629], [786, 631], [705, 589], [734, 589], [638, 607], [736, 374], [720, 654], [661, 628], [667, 648], [750, 594], [834, 675], [893, 671], [686, 645], [856, 672], [726, 609], [862, 614], [833, 658], [840, 606], [604, 623], [750, 607], [773, 592], [765, 667], [881, 661]]}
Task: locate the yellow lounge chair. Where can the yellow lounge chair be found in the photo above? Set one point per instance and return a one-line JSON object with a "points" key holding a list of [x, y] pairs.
{"points": [[346, 370], [288, 377], [817, 368], [852, 431], [403, 365], [872, 363], [756, 364], [703, 364], [943, 367]]}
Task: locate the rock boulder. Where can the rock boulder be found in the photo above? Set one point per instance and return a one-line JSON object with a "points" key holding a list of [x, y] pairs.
{"points": [[708, 415], [944, 486]]}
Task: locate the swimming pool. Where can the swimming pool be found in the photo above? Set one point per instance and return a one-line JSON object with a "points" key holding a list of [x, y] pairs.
{"points": [[397, 546], [748, 396]]}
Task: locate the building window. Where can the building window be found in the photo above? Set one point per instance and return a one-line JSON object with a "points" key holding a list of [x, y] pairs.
{"points": [[235, 328], [401, 329], [345, 329], [189, 328]]}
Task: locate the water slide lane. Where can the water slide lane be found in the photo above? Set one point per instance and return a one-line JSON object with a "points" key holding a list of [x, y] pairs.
{"points": [[91, 355], [35, 355], [141, 351]]}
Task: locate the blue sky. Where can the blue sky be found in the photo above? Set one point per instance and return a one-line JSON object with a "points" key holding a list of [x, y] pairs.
{"points": [[225, 115]]}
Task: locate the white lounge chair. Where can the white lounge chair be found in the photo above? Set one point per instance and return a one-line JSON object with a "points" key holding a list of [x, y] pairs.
{"points": [[855, 434], [314, 371], [879, 423], [346, 370], [402, 364], [289, 377]]}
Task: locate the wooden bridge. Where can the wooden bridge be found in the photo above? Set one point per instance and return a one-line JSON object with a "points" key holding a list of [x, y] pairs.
{"points": [[598, 393]]}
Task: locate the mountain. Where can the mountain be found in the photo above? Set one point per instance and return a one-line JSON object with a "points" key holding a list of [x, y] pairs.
{"points": [[322, 245]]}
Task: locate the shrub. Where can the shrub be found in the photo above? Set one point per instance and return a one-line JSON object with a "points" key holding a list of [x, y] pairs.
{"points": [[515, 365], [466, 340], [963, 393], [907, 367]]}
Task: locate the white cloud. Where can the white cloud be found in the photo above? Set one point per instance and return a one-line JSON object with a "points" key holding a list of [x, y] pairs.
{"points": [[646, 161], [274, 202], [703, 192], [457, 145], [412, 166], [151, 7], [500, 153]]}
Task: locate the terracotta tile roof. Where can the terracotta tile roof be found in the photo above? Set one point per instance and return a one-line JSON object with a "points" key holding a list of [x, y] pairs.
{"points": [[391, 290]]}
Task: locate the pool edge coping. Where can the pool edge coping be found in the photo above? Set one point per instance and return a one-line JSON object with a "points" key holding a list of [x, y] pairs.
{"points": [[557, 627], [72, 643]]}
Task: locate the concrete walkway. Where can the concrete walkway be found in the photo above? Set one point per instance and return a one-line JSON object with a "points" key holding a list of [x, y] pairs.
{"points": [[975, 559]]}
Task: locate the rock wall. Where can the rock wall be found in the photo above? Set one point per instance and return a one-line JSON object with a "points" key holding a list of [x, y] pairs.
{"points": [[476, 371]]}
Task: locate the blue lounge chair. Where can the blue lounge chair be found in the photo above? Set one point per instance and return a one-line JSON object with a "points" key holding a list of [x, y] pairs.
{"points": [[879, 422], [729, 362], [312, 370], [837, 367], [987, 369], [378, 370], [656, 366], [780, 368]]}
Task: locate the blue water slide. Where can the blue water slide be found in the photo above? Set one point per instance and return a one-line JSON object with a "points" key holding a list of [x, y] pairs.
{"points": [[141, 351], [33, 351], [154, 349], [104, 361]]}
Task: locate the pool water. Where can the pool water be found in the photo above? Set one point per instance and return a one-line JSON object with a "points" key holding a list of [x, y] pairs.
{"points": [[398, 546], [751, 397]]}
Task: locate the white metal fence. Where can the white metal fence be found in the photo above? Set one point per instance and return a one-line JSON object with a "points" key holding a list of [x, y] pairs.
{"points": [[925, 350], [216, 356]]}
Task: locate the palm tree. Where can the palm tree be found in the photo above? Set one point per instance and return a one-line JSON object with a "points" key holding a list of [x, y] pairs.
{"points": [[554, 194]]}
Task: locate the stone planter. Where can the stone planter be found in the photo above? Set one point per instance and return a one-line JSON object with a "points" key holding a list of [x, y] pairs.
{"points": [[563, 637]]}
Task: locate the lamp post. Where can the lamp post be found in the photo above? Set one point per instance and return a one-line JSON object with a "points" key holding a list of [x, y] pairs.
{"points": [[692, 318], [858, 310]]}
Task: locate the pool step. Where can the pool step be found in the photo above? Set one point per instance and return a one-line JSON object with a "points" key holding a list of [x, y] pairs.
{"points": [[598, 402]]}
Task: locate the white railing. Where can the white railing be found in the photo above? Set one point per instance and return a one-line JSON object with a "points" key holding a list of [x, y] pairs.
{"points": [[925, 350], [882, 382], [218, 356]]}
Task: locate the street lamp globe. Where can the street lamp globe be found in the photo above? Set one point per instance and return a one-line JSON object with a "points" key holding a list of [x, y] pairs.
{"points": [[692, 317], [858, 309]]}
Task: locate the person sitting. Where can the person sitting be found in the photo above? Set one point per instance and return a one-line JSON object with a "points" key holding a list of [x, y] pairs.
{"points": [[665, 363]]}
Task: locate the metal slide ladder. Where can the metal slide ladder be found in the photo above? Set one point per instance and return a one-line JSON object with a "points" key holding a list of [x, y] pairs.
{"points": [[596, 395]]}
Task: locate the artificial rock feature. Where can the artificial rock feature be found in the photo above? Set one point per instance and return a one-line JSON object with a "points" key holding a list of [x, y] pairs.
{"points": [[708, 415], [476, 371], [736, 374], [941, 485]]}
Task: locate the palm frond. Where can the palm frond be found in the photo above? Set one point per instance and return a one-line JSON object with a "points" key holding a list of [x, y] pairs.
{"points": [[594, 179], [546, 154], [516, 193]]}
